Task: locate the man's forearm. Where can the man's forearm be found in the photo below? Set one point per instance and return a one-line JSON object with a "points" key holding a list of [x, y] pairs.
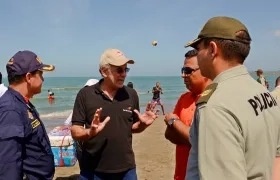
{"points": [[79, 133], [182, 130], [138, 127], [174, 137]]}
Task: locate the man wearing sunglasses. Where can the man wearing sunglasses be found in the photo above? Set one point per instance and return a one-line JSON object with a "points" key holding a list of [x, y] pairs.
{"points": [[235, 133], [110, 112], [179, 122]]}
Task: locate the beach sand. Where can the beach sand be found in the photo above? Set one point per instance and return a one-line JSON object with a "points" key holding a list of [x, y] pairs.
{"points": [[155, 156]]}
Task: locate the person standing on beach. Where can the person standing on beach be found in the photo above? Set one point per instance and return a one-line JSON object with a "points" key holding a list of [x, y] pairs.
{"points": [[25, 146], [261, 79], [276, 92], [157, 90], [236, 131], [179, 122], [3, 88], [110, 112]]}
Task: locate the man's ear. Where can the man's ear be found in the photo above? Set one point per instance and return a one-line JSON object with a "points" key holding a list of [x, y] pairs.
{"points": [[28, 77], [103, 71], [213, 49]]}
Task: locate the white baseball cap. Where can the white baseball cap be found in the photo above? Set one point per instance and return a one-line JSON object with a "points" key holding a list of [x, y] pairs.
{"points": [[91, 82]]}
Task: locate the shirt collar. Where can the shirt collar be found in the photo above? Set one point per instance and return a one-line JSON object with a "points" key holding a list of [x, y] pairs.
{"points": [[195, 96], [18, 95], [98, 90], [26, 99], [230, 73]]}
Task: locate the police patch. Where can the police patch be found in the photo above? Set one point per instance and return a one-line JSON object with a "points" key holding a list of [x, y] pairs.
{"points": [[205, 96], [30, 116], [205, 93], [35, 123]]}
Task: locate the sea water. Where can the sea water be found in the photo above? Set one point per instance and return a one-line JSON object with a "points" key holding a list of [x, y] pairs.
{"points": [[65, 90]]}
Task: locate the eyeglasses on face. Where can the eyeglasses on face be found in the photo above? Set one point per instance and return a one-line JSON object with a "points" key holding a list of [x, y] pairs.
{"points": [[188, 70], [120, 70]]}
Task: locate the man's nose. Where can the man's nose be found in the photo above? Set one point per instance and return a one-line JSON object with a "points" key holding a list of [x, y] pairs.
{"points": [[183, 75], [123, 73]]}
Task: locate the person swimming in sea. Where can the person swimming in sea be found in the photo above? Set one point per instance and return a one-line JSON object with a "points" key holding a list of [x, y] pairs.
{"points": [[50, 95]]}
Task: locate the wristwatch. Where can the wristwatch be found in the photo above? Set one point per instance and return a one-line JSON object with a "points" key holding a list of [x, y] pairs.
{"points": [[171, 121]]}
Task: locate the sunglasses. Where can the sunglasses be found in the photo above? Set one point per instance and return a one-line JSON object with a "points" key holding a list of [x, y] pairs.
{"points": [[120, 70], [188, 70]]}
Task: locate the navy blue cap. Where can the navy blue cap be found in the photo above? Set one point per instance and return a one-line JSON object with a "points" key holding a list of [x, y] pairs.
{"points": [[25, 62]]}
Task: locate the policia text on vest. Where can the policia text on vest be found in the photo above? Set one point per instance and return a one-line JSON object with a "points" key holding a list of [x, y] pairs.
{"points": [[262, 102]]}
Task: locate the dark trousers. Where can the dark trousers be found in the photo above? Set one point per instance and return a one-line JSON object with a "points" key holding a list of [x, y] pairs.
{"points": [[127, 175]]}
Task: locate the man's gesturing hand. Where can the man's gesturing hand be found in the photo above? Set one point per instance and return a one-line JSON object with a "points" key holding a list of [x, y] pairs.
{"points": [[96, 125], [149, 116]]}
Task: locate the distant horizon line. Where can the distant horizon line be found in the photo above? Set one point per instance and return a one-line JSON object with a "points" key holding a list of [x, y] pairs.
{"points": [[265, 72]]}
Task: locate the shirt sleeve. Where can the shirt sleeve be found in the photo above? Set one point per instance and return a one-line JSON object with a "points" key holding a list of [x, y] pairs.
{"points": [[136, 106], [11, 139], [221, 146], [79, 111]]}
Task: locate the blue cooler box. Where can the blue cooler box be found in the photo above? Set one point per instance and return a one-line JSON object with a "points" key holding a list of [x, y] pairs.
{"points": [[63, 148]]}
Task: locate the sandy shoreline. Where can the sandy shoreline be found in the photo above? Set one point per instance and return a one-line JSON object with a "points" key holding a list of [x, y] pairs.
{"points": [[155, 156]]}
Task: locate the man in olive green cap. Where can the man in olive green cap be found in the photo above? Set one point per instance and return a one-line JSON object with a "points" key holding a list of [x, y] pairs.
{"points": [[235, 133]]}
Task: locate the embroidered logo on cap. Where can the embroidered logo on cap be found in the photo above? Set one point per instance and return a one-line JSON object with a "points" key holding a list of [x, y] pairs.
{"points": [[119, 53], [11, 61], [39, 60]]}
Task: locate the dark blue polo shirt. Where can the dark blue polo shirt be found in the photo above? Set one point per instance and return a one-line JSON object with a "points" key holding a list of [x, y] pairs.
{"points": [[24, 143]]}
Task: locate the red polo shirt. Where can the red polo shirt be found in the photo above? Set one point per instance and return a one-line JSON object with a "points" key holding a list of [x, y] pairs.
{"points": [[184, 109]]}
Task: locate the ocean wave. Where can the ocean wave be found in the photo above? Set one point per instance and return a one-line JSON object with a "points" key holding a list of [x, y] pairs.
{"points": [[59, 114]]}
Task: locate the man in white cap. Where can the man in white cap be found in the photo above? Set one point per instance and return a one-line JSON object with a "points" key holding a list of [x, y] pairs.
{"points": [[107, 138]]}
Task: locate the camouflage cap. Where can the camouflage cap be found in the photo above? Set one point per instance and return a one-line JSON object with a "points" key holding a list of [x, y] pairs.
{"points": [[221, 27]]}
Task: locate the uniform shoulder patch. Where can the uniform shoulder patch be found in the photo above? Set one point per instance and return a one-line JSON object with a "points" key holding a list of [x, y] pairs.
{"points": [[205, 96]]}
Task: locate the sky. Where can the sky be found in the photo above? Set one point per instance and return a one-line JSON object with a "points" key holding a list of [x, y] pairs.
{"points": [[72, 34]]}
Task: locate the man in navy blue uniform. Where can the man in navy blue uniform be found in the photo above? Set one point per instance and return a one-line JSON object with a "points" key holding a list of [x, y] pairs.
{"points": [[25, 146]]}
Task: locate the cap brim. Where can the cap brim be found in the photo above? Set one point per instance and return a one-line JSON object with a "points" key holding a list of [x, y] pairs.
{"points": [[122, 62], [193, 43], [47, 67]]}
